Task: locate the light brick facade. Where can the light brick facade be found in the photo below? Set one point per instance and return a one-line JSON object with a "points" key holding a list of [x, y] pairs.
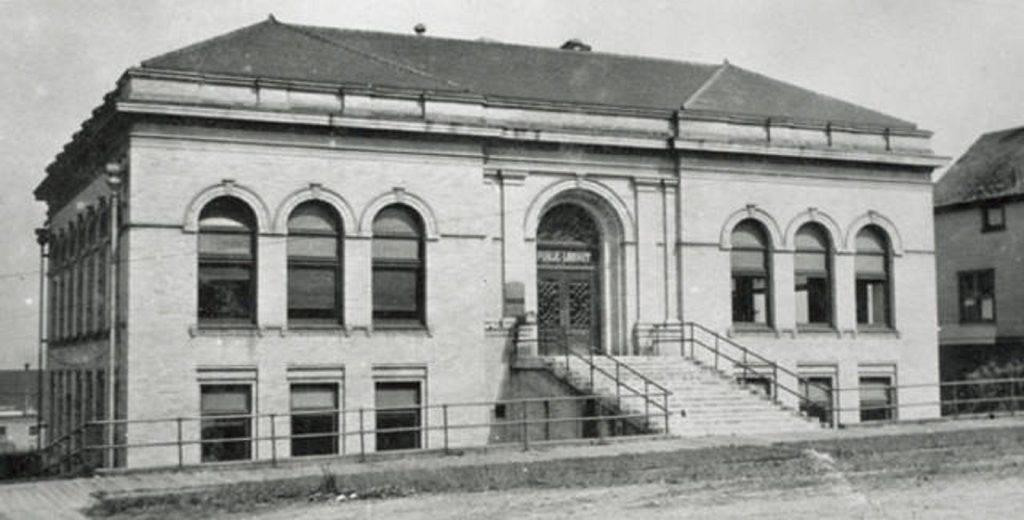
{"points": [[665, 191]]}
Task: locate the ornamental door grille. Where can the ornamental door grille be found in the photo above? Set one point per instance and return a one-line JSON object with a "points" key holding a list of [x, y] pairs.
{"points": [[568, 296]]}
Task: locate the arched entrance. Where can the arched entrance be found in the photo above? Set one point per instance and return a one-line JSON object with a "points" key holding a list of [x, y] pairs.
{"points": [[568, 280]]}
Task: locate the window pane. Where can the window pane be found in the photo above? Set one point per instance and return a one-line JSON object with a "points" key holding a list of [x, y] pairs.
{"points": [[312, 288], [315, 397], [872, 302], [395, 290], [870, 265], [813, 302], [391, 395], [812, 262], [396, 248], [750, 299], [227, 212], [396, 220], [313, 216], [994, 217], [312, 246], [225, 291], [234, 244], [225, 400], [811, 237], [871, 240], [875, 397], [748, 234], [748, 261]]}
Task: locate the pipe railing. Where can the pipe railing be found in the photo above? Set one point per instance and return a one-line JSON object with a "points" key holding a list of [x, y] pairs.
{"points": [[649, 397], [72, 453]]}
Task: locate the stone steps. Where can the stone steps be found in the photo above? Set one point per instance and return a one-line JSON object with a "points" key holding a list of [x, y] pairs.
{"points": [[703, 401]]}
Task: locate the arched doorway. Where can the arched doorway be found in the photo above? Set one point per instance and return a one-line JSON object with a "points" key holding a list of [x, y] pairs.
{"points": [[568, 280]]}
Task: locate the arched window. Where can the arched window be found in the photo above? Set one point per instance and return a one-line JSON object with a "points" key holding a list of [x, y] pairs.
{"points": [[751, 274], [398, 267], [314, 265], [813, 276], [873, 284], [227, 262]]}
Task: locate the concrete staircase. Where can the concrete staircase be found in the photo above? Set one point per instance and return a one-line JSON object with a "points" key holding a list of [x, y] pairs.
{"points": [[703, 401]]}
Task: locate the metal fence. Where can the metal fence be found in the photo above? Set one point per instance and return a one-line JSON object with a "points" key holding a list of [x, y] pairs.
{"points": [[271, 437]]}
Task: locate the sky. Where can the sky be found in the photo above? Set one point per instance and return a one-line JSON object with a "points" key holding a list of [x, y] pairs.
{"points": [[955, 67]]}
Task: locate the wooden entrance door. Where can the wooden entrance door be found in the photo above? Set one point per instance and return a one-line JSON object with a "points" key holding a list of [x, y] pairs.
{"points": [[567, 315]]}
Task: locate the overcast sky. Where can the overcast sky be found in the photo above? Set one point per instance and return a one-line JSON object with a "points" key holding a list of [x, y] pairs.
{"points": [[955, 67]]}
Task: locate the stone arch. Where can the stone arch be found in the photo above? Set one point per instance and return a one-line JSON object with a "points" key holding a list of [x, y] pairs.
{"points": [[753, 212], [601, 199], [399, 196], [874, 218], [318, 193], [227, 188], [818, 217]]}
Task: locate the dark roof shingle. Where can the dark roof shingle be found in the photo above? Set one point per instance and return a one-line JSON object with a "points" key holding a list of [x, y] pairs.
{"points": [[993, 167], [275, 50]]}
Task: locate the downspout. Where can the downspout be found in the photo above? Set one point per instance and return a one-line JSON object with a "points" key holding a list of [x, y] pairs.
{"points": [[114, 172], [42, 238]]}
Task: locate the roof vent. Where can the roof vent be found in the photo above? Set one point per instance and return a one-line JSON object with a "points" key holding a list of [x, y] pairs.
{"points": [[420, 29], [575, 45]]}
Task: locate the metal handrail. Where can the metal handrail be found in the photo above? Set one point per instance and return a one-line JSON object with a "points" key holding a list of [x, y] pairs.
{"points": [[745, 364]]}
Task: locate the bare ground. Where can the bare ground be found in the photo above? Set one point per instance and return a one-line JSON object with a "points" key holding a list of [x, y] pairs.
{"points": [[988, 492]]}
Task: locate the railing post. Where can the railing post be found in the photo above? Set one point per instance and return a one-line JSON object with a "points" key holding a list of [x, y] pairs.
{"points": [[838, 404], [547, 420], [956, 395], [745, 365], [592, 371], [664, 402], [716, 352], [444, 420], [1013, 397], [775, 382], [181, 447], [362, 436], [647, 402], [273, 439], [525, 427]]}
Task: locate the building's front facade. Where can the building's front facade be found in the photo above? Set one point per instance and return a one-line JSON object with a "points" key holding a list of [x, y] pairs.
{"points": [[979, 226], [391, 220]]}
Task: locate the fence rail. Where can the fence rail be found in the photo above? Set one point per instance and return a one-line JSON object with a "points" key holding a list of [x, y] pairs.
{"points": [[351, 432]]}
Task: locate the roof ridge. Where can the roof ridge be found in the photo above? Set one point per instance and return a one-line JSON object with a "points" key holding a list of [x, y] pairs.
{"points": [[826, 96], [403, 67], [498, 43], [203, 43], [707, 84]]}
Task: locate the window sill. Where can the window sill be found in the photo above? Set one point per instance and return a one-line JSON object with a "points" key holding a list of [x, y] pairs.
{"points": [[878, 331], [751, 329], [224, 329], [816, 329], [401, 327], [312, 329]]}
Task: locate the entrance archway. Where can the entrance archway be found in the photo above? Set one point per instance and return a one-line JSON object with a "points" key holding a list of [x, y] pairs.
{"points": [[569, 263]]}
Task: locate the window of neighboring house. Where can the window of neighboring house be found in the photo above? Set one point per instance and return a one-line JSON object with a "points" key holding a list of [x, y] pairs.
{"points": [[977, 296], [873, 280], [3, 431], [314, 265], [876, 398], [813, 276], [314, 419], [227, 261], [993, 217], [398, 408], [817, 391], [751, 279], [398, 267], [226, 425], [32, 431]]}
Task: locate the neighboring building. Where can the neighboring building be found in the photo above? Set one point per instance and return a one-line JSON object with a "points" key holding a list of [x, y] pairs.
{"points": [[979, 225], [19, 424], [312, 218]]}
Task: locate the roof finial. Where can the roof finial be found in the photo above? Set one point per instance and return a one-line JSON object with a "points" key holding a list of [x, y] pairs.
{"points": [[420, 29], [725, 61], [270, 17]]}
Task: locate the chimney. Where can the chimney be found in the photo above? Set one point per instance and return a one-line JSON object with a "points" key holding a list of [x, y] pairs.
{"points": [[575, 44]]}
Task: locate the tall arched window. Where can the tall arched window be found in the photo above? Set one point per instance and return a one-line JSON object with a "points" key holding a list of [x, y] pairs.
{"points": [[813, 276], [314, 265], [227, 263], [873, 281], [398, 267], [751, 274]]}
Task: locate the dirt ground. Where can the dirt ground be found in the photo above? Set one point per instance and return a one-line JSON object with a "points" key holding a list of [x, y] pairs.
{"points": [[989, 492]]}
